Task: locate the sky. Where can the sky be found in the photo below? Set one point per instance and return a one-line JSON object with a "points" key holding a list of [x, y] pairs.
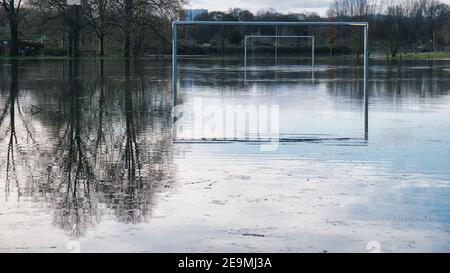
{"points": [[285, 6]]}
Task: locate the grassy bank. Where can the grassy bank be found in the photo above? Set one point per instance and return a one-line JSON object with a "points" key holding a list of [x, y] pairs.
{"points": [[6, 57], [403, 56], [423, 56]]}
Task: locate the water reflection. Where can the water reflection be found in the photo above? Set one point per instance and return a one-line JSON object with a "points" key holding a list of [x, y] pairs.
{"points": [[98, 146], [306, 105], [11, 104], [92, 139]]}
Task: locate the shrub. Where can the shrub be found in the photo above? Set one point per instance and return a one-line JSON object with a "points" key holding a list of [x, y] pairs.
{"points": [[53, 51]]}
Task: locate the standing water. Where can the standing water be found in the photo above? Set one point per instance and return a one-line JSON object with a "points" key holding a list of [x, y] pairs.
{"points": [[88, 154]]}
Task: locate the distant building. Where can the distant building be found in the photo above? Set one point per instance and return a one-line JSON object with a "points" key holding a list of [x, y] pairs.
{"points": [[191, 14]]}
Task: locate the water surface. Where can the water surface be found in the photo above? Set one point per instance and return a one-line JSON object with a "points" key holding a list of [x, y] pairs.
{"points": [[87, 154]]}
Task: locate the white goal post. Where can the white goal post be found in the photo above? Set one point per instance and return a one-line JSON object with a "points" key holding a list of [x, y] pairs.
{"points": [[175, 25]]}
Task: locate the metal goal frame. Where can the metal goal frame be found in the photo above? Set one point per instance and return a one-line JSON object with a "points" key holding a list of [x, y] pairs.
{"points": [[364, 25]]}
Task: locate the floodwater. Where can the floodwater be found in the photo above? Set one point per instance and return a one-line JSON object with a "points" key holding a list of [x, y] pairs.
{"points": [[90, 161]]}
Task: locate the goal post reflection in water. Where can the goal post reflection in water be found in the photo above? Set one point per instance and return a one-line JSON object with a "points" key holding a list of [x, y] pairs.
{"points": [[248, 133]]}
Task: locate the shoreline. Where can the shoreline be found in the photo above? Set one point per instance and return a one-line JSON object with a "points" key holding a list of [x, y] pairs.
{"points": [[442, 55]]}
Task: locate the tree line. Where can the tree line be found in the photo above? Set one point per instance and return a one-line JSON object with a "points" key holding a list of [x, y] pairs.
{"points": [[133, 28], [124, 26], [400, 25], [408, 26]]}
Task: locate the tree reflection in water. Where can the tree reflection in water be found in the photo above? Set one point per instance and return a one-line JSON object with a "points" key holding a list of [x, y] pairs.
{"points": [[108, 152], [100, 144], [74, 180], [15, 152]]}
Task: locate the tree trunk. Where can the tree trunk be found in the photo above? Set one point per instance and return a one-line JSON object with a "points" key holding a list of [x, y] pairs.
{"points": [[14, 48], [76, 34], [136, 47], [128, 17], [70, 52], [433, 41], [126, 49], [393, 53], [223, 43], [102, 44]]}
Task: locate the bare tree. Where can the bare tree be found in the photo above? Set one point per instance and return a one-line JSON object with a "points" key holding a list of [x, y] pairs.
{"points": [[332, 33], [354, 8], [359, 10], [14, 10], [436, 14], [137, 15], [445, 32], [392, 27], [57, 11], [98, 13]]}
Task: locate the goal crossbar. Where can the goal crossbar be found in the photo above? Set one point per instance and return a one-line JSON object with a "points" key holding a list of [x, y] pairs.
{"points": [[268, 23]]}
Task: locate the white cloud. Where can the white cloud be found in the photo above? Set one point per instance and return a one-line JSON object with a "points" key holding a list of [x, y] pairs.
{"points": [[254, 5]]}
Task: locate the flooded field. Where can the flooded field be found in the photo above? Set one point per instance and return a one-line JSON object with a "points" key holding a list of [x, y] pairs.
{"points": [[90, 159]]}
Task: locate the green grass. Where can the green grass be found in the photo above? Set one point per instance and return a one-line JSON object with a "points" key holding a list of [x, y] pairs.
{"points": [[43, 57], [403, 56], [7, 57], [424, 56], [52, 57]]}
